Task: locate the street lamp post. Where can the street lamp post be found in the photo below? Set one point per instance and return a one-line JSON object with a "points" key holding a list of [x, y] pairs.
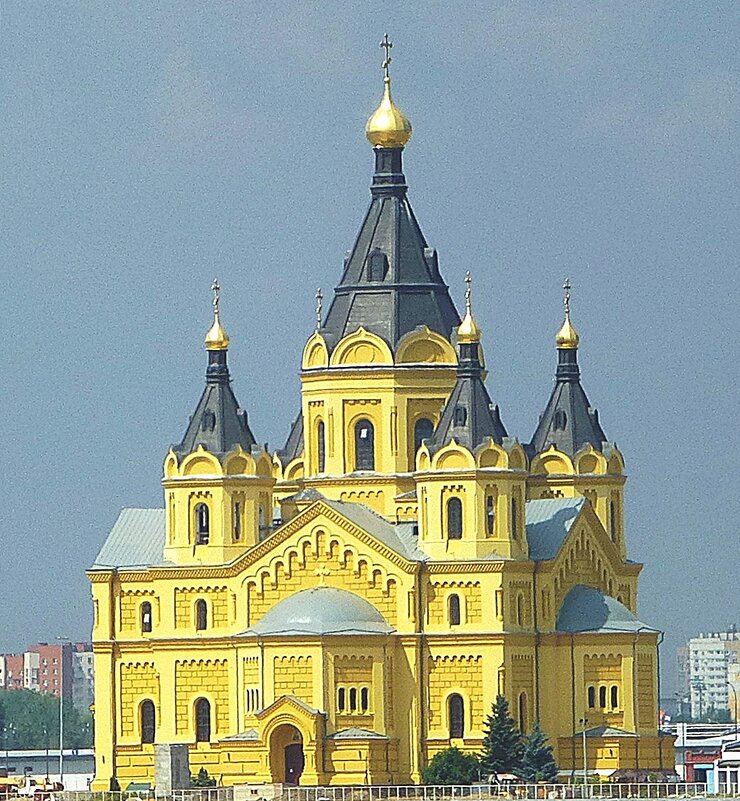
{"points": [[734, 705], [62, 641]]}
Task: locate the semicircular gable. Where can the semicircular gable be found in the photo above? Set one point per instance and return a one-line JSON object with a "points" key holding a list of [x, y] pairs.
{"points": [[315, 352], [552, 462], [361, 348], [424, 346], [453, 457], [490, 455], [589, 461], [200, 463]]}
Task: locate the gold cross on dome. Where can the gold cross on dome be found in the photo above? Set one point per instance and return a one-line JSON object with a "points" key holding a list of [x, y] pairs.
{"points": [[319, 298], [566, 296], [322, 573], [386, 44], [468, 292], [216, 288]]}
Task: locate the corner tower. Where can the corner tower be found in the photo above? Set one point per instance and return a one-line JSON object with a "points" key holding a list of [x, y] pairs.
{"points": [[217, 482], [569, 452], [380, 365]]}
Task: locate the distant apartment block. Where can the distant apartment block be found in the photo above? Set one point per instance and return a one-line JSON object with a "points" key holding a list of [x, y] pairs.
{"points": [[712, 659], [62, 668]]}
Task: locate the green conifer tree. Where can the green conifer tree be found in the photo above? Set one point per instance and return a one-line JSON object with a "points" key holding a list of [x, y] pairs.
{"points": [[538, 763], [452, 766], [502, 744]]}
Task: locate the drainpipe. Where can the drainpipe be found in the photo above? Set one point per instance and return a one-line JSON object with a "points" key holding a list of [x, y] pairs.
{"points": [[535, 610], [573, 704], [421, 754]]}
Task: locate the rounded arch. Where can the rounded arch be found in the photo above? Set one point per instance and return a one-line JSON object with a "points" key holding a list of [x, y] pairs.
{"points": [[615, 463], [145, 617], [454, 518], [147, 721], [294, 470], [202, 522], [238, 464], [491, 456], [454, 609], [423, 460], [424, 346], [363, 434], [453, 457], [202, 718], [552, 462], [423, 429], [517, 457], [263, 465], [522, 710], [456, 716], [361, 348], [315, 352], [590, 462], [200, 613], [170, 465], [287, 759], [200, 463]]}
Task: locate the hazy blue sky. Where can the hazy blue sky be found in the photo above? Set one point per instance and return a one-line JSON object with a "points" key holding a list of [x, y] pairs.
{"points": [[146, 147]]}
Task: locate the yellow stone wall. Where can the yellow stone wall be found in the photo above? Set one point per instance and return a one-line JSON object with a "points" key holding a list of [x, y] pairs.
{"points": [[216, 599], [139, 682], [293, 676], [202, 678]]}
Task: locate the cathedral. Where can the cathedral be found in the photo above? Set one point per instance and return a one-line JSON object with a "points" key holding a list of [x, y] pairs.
{"points": [[341, 610]]}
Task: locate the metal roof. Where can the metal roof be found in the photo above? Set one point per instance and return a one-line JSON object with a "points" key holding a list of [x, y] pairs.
{"points": [[549, 521], [136, 540], [586, 609]]}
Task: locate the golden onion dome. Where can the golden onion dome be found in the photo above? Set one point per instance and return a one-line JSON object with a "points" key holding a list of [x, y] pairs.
{"points": [[216, 338], [388, 126], [567, 337], [468, 332]]}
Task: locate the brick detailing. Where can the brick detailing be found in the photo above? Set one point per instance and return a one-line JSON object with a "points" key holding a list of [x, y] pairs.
{"points": [[131, 601], [470, 597], [139, 681], [208, 678], [294, 676], [217, 599], [645, 691], [449, 673], [603, 671]]}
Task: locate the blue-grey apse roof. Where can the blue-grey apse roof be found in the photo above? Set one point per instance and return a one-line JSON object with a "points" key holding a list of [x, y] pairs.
{"points": [[136, 540], [588, 609], [549, 522], [320, 611]]}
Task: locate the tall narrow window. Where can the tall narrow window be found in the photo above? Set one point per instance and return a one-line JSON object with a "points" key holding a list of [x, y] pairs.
{"points": [[364, 699], [591, 697], [454, 603], [237, 521], [321, 445], [353, 699], [602, 697], [201, 615], [263, 529], [615, 697], [514, 519], [423, 429], [146, 617], [454, 519], [377, 265], [522, 712], [456, 713], [202, 524], [490, 514], [341, 701], [202, 721], [148, 721], [364, 446], [613, 520], [519, 610]]}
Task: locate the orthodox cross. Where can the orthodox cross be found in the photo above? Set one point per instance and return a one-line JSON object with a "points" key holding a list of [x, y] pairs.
{"points": [[468, 282], [566, 296], [386, 44], [319, 298], [216, 288], [322, 573]]}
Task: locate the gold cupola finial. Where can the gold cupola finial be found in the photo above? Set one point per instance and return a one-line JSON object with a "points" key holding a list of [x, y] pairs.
{"points": [[468, 332], [216, 338], [567, 337], [388, 126]]}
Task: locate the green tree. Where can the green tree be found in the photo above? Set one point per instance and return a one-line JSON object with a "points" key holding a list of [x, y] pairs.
{"points": [[202, 779], [31, 721], [452, 766], [502, 743], [538, 764]]}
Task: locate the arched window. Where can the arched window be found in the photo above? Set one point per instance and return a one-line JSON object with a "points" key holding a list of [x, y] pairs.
{"points": [[454, 603], [202, 524], [454, 519], [237, 521], [201, 615], [560, 420], [353, 699], [613, 520], [423, 429], [364, 699], [147, 721], [364, 445], [321, 445], [146, 617], [202, 721], [602, 697], [591, 697], [514, 519], [490, 514], [456, 713], [341, 694], [615, 696], [377, 265], [263, 528], [522, 712]]}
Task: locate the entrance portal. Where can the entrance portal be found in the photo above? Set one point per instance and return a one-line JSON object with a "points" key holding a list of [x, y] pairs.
{"points": [[286, 754]]}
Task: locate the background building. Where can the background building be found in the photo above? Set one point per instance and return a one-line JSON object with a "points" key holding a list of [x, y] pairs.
{"points": [[711, 659]]}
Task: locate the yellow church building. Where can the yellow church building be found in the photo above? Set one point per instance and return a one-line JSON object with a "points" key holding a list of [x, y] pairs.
{"points": [[340, 611]]}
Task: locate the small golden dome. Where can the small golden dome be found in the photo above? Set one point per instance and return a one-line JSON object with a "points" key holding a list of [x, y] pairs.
{"points": [[567, 337], [216, 338], [468, 331], [388, 126]]}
